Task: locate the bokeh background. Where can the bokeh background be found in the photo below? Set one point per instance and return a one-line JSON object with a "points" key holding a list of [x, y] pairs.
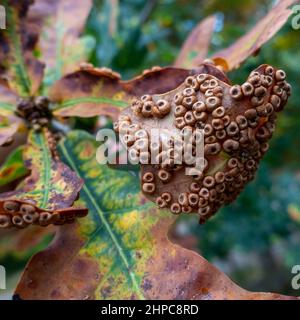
{"points": [[256, 240]]}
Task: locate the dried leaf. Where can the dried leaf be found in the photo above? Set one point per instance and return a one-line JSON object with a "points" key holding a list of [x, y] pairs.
{"points": [[61, 23], [18, 9], [13, 168], [20, 245], [99, 91], [221, 63], [294, 212], [237, 121], [9, 124], [8, 100], [195, 49], [23, 70], [121, 250], [52, 187], [262, 32], [113, 17], [8, 128]]}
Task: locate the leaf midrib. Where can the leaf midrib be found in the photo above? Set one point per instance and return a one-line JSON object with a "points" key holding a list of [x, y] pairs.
{"points": [[105, 223], [46, 158], [17, 52]]}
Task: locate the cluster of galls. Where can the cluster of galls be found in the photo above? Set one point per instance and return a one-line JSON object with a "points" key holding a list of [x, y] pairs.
{"points": [[147, 108], [237, 122], [35, 111], [19, 214]]}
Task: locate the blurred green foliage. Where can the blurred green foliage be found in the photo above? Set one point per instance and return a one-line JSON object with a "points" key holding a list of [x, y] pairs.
{"points": [[255, 240]]}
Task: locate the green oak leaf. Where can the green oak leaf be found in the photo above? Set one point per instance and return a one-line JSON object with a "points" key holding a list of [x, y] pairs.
{"points": [[13, 168], [121, 249], [23, 70], [51, 185]]}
